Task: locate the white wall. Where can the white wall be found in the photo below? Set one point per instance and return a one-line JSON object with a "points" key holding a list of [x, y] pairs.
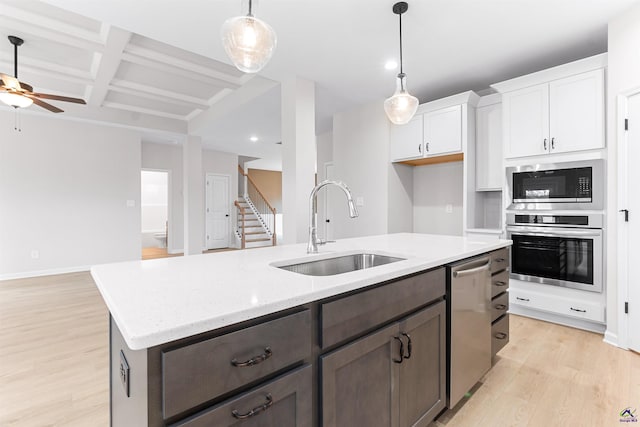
{"points": [[434, 187], [401, 188], [63, 192], [169, 157], [224, 164], [623, 74], [361, 159]]}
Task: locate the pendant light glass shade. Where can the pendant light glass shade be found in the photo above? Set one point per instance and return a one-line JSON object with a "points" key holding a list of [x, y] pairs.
{"points": [[401, 107], [15, 100], [248, 41]]}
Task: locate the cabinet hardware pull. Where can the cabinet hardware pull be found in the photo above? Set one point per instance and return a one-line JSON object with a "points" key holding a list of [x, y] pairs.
{"points": [[545, 143], [254, 360], [254, 411], [500, 335], [522, 299], [427, 146], [501, 306], [578, 310], [408, 356], [500, 260], [501, 283], [553, 143], [401, 350], [420, 148]]}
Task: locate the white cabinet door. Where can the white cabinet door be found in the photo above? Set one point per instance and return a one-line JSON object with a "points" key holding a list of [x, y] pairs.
{"points": [[526, 121], [443, 131], [406, 140], [489, 170], [576, 118]]}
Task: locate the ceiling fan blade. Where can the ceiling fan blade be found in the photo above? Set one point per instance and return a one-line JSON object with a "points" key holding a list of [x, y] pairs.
{"points": [[59, 98], [45, 105], [10, 82]]}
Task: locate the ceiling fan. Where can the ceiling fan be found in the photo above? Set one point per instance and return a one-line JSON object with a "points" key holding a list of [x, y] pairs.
{"points": [[18, 94]]}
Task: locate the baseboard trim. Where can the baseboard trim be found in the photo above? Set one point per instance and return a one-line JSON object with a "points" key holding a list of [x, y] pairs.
{"points": [[559, 319], [611, 339], [49, 272]]}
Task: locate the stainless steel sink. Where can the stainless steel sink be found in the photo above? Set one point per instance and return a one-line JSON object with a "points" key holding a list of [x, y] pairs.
{"points": [[341, 264]]}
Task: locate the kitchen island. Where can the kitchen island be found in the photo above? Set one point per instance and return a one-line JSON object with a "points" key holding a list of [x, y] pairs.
{"points": [[216, 339]]}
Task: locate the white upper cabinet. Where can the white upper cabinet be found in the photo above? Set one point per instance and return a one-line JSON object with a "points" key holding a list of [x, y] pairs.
{"points": [[561, 116], [526, 121], [406, 140], [576, 119], [489, 172], [443, 131]]}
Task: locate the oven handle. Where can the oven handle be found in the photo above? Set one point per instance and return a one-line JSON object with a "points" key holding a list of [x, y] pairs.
{"points": [[536, 231]]}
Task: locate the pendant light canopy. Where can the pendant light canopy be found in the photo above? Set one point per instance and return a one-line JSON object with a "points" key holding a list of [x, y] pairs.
{"points": [[248, 41], [400, 107]]}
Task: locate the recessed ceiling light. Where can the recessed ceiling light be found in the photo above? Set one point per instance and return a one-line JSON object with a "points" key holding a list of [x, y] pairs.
{"points": [[253, 138], [391, 65]]}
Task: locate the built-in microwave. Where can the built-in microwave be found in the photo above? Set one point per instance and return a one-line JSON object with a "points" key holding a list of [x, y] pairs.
{"points": [[559, 186]]}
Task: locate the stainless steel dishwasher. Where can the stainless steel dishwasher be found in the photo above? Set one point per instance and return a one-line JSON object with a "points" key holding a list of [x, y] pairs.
{"points": [[469, 337]]}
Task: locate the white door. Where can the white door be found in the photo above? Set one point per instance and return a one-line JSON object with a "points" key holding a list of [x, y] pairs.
{"points": [[443, 131], [525, 115], [405, 141], [631, 230], [576, 112], [218, 211]]}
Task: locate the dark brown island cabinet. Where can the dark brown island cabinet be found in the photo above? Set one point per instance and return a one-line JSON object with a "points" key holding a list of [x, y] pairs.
{"points": [[371, 357]]}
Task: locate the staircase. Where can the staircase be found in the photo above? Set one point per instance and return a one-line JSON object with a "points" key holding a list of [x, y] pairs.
{"points": [[256, 218]]}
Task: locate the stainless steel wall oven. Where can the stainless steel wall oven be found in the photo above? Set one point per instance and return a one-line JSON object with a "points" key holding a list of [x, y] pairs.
{"points": [[557, 249]]}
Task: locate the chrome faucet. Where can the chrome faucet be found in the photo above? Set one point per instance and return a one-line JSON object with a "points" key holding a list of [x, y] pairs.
{"points": [[312, 247]]}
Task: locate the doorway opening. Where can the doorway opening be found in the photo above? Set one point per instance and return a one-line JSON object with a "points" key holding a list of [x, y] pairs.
{"points": [[155, 212]]}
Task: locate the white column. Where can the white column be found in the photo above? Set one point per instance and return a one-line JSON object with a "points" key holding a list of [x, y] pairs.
{"points": [[298, 157], [193, 196]]}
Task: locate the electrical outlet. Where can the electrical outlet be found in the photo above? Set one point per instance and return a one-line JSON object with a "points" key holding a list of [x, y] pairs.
{"points": [[448, 208], [359, 201], [35, 254], [124, 373]]}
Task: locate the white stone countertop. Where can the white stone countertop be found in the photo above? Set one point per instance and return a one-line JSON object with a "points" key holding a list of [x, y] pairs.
{"points": [[161, 300]]}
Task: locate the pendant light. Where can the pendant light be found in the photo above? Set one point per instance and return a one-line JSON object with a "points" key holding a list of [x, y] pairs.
{"points": [[248, 41], [401, 107]]}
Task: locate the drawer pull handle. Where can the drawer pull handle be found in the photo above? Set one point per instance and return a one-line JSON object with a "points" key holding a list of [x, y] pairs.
{"points": [[401, 350], [254, 360], [500, 260], [578, 310], [500, 335], [254, 411], [522, 299], [500, 283], [408, 356], [501, 306]]}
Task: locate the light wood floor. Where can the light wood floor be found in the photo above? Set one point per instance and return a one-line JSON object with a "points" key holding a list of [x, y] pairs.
{"points": [[152, 253], [54, 366]]}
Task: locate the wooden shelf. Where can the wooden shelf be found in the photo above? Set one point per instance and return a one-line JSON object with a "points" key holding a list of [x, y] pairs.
{"points": [[434, 160]]}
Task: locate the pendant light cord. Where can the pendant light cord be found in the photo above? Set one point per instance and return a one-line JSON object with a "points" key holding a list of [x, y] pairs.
{"points": [[250, 8], [400, 17]]}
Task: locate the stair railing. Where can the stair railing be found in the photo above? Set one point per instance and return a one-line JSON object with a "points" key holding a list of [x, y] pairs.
{"points": [[266, 212], [240, 226]]}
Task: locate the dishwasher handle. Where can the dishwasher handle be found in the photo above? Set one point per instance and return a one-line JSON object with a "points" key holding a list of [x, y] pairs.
{"points": [[469, 272]]}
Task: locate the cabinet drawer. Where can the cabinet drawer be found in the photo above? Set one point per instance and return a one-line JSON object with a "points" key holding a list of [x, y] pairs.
{"points": [[499, 334], [499, 260], [355, 314], [197, 373], [499, 283], [559, 305], [499, 306], [282, 402]]}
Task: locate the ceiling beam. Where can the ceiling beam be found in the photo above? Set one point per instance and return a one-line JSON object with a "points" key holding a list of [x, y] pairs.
{"points": [[155, 96], [139, 88], [136, 109], [116, 41]]}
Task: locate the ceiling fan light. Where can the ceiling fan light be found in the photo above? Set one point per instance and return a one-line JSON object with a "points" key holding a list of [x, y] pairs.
{"points": [[249, 42], [15, 100], [401, 106]]}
